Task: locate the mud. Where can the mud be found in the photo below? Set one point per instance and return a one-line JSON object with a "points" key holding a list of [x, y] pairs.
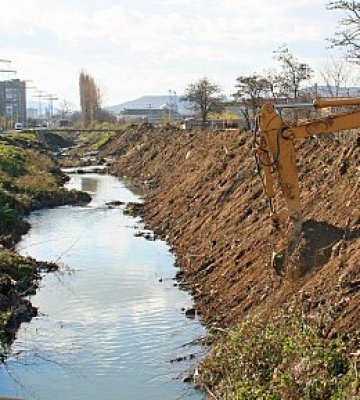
{"points": [[205, 198]]}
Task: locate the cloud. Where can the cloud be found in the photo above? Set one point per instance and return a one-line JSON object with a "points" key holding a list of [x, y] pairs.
{"points": [[165, 40]]}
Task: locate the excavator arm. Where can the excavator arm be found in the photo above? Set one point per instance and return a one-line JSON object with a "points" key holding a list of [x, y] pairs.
{"points": [[275, 152], [334, 123]]}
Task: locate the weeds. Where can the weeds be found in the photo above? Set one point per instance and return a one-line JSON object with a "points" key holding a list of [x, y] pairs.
{"points": [[288, 358]]}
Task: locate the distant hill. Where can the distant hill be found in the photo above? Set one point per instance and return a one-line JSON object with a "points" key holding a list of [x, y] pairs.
{"points": [[151, 102]]}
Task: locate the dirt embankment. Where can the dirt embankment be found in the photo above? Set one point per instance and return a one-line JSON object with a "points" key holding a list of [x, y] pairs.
{"points": [[205, 198]]}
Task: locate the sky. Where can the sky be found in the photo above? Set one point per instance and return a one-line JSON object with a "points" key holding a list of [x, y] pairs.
{"points": [[148, 47]]}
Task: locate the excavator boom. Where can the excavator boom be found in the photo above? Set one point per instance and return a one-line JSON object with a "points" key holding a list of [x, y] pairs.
{"points": [[334, 123], [275, 152]]}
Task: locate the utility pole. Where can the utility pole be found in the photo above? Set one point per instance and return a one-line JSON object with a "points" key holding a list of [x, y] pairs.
{"points": [[40, 94], [51, 98], [172, 103], [7, 70], [32, 88]]}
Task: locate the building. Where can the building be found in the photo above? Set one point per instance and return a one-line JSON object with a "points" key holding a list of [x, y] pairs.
{"points": [[12, 102], [154, 116]]}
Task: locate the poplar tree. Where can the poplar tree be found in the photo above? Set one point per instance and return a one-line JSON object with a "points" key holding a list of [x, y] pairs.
{"points": [[90, 98]]}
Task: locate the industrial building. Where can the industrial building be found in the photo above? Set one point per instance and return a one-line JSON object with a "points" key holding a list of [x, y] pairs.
{"points": [[153, 116]]}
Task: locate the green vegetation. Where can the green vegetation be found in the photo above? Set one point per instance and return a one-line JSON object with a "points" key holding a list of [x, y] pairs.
{"points": [[12, 160], [103, 138], [17, 276], [20, 269], [96, 140], [41, 140], [23, 175], [8, 214], [29, 180], [92, 141], [288, 358]]}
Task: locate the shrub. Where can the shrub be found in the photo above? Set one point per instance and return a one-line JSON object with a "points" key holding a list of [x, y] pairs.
{"points": [[287, 358]]}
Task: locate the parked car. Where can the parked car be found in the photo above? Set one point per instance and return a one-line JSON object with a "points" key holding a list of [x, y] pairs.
{"points": [[18, 126]]}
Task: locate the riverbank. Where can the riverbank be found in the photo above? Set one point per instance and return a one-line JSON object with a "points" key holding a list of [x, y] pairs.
{"points": [[30, 180], [204, 197]]}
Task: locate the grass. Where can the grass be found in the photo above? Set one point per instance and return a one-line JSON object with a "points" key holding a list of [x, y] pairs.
{"points": [[25, 170], [288, 358], [20, 269], [104, 138], [45, 140], [23, 175], [12, 160], [22, 272]]}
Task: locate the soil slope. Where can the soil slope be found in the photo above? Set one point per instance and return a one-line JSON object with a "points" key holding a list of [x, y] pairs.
{"points": [[205, 197]]}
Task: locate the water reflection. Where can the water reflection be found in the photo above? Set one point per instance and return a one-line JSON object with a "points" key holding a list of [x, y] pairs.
{"points": [[89, 185], [109, 329]]}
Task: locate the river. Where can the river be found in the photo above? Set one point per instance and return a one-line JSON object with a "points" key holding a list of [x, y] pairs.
{"points": [[112, 320]]}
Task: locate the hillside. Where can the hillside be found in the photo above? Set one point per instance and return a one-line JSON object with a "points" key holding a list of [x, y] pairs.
{"points": [[151, 102], [205, 198]]}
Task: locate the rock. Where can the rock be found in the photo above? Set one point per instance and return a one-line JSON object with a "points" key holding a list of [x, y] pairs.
{"points": [[338, 248], [115, 203], [4, 302], [190, 313], [23, 313], [178, 359], [6, 284], [134, 209], [343, 167], [354, 286]]}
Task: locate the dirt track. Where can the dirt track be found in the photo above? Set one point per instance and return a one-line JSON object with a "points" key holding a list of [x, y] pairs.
{"points": [[205, 198]]}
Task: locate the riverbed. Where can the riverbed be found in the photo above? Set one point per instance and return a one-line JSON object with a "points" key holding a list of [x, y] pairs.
{"points": [[111, 321]]}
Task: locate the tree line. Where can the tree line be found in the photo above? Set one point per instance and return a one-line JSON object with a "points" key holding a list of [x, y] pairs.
{"points": [[284, 83], [287, 81], [251, 90]]}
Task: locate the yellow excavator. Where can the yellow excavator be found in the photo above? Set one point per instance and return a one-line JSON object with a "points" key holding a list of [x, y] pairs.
{"points": [[274, 152]]}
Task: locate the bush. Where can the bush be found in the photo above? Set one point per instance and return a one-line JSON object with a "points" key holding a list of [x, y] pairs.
{"points": [[285, 359], [12, 160]]}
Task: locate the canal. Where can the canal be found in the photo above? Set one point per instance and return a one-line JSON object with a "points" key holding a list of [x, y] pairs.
{"points": [[111, 321]]}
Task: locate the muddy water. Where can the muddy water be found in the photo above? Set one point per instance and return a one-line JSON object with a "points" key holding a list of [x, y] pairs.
{"points": [[112, 321]]}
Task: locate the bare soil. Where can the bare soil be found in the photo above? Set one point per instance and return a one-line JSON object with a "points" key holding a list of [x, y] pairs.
{"points": [[205, 197]]}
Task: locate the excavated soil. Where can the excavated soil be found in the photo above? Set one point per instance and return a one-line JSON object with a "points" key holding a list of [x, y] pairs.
{"points": [[205, 197]]}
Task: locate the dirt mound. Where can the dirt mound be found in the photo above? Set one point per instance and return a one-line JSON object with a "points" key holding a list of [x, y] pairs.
{"points": [[205, 197]]}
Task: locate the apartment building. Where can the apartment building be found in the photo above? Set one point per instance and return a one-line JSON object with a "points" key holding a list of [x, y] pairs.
{"points": [[12, 102]]}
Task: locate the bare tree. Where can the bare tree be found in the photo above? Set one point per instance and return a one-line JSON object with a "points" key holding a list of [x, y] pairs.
{"points": [[90, 97], [349, 34], [273, 82], [64, 108], [205, 96], [251, 90], [337, 77], [293, 73]]}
